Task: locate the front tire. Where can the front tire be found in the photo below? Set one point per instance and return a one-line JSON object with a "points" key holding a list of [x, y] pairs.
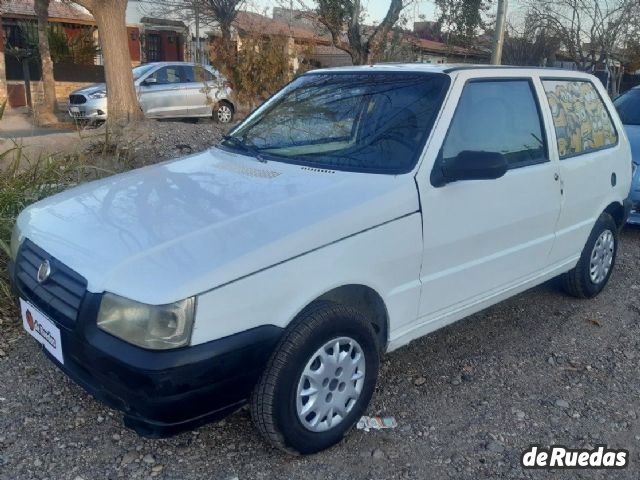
{"points": [[592, 273], [318, 381]]}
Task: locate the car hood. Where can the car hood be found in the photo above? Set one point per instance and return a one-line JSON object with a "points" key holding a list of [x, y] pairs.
{"points": [[169, 231], [96, 87]]}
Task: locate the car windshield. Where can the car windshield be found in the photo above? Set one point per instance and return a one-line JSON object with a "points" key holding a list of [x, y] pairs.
{"points": [[141, 70], [369, 122], [628, 106]]}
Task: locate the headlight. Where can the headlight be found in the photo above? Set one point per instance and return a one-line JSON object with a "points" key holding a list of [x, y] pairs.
{"points": [[15, 243], [98, 94], [158, 327]]}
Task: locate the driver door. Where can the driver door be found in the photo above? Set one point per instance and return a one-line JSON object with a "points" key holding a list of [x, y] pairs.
{"points": [[482, 237]]}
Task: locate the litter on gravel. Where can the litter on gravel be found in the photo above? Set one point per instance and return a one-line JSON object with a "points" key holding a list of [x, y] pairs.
{"points": [[376, 423]]}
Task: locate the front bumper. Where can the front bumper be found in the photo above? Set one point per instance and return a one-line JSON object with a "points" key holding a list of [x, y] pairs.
{"points": [[162, 393], [92, 110]]}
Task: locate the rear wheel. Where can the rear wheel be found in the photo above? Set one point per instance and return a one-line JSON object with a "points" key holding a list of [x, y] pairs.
{"points": [[223, 113], [319, 380], [592, 273]]}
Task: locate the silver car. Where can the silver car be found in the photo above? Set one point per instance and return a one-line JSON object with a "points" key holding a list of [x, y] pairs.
{"points": [[165, 90]]}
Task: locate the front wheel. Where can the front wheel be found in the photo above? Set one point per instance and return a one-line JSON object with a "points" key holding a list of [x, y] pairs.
{"points": [[592, 273], [319, 380]]}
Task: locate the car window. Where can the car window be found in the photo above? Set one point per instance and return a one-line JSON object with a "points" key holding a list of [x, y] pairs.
{"points": [[141, 70], [374, 122], [580, 117], [167, 75], [201, 74], [628, 106], [497, 116], [187, 74]]}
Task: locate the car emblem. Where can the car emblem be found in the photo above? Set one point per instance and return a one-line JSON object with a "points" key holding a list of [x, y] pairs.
{"points": [[44, 271]]}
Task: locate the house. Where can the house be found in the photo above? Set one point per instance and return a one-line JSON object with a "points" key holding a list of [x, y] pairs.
{"points": [[159, 33], [431, 51], [310, 40], [304, 43], [75, 68]]}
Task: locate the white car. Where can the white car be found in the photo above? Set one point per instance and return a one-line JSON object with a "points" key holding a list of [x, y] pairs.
{"points": [[356, 210]]}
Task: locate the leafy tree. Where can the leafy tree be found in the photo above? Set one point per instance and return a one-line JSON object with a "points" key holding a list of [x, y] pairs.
{"points": [[399, 47], [363, 45], [79, 49], [261, 68], [460, 20], [223, 12]]}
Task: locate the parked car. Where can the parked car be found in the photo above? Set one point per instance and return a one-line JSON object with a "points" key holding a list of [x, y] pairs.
{"points": [[165, 90], [355, 211], [628, 106]]}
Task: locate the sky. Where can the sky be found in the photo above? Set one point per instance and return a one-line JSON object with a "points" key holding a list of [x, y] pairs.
{"points": [[375, 8]]}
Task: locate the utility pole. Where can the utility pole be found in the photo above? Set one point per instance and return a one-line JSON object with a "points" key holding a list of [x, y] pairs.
{"points": [[198, 52], [498, 38]]}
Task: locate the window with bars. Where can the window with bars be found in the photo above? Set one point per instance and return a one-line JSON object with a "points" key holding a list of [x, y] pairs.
{"points": [[153, 47]]}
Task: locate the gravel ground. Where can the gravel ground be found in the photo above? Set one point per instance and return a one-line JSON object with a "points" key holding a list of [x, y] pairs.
{"points": [[539, 368], [149, 142], [155, 140]]}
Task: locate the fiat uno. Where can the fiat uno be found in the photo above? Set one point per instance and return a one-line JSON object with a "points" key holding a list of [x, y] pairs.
{"points": [[356, 210]]}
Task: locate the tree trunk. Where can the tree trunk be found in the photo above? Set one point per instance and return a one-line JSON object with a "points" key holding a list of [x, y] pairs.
{"points": [[3, 71], [46, 111], [27, 81], [226, 39], [122, 101]]}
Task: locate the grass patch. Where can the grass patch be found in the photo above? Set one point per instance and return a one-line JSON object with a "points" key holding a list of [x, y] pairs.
{"points": [[24, 181]]}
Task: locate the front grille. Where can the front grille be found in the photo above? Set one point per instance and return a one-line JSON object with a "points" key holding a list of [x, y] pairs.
{"points": [[78, 115], [60, 295], [76, 99]]}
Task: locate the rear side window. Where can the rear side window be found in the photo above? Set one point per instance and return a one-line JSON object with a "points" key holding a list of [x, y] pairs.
{"points": [[202, 74], [499, 116], [580, 117]]}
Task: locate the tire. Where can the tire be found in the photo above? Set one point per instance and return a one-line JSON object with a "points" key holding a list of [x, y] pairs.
{"points": [[275, 401], [223, 112], [586, 280]]}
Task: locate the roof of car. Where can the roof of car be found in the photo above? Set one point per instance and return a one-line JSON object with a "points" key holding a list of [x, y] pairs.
{"points": [[451, 68], [173, 63]]}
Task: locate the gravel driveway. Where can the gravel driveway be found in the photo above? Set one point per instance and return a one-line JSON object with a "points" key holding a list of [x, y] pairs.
{"points": [[539, 368]]}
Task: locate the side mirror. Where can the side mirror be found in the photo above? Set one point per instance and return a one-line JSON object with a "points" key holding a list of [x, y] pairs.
{"points": [[149, 81], [468, 165]]}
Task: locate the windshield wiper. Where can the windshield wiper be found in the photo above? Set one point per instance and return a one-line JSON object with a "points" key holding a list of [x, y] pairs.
{"points": [[245, 147]]}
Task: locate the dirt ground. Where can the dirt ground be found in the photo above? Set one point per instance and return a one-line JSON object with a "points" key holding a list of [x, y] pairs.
{"points": [[539, 368]]}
